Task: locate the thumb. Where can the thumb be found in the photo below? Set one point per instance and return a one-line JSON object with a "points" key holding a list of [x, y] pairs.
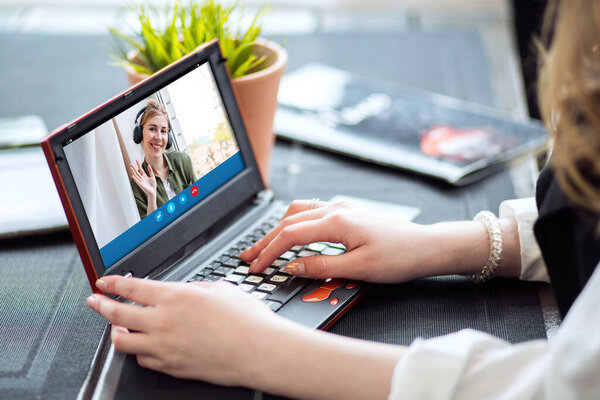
{"points": [[321, 267]]}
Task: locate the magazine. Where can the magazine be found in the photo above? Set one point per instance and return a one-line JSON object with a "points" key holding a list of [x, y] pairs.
{"points": [[406, 128]]}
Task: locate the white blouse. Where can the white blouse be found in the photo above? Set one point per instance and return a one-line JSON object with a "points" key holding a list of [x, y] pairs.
{"points": [[168, 189], [474, 365]]}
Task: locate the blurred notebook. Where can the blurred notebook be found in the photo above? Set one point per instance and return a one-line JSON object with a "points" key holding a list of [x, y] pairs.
{"points": [[380, 122], [30, 203]]}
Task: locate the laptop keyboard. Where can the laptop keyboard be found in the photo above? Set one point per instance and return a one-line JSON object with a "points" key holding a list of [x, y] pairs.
{"points": [[272, 285]]}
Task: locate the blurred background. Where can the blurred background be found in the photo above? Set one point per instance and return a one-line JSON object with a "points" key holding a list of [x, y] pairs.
{"points": [[493, 19], [474, 50]]}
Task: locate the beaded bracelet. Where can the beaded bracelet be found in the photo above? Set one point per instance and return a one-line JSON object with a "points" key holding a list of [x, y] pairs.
{"points": [[492, 224]]}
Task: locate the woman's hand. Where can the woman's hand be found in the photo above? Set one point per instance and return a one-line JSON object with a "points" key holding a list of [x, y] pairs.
{"points": [[146, 182], [207, 331], [218, 333], [380, 248]]}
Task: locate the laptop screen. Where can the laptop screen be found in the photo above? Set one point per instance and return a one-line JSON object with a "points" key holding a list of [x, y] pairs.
{"points": [[181, 135]]}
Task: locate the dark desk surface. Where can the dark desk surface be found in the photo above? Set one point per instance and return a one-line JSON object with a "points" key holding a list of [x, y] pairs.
{"points": [[49, 336]]}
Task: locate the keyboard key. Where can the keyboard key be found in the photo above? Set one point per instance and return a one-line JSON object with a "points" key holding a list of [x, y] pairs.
{"points": [[222, 259], [316, 247], [251, 238], [223, 271], [332, 251], [235, 278], [307, 253], [242, 269], [268, 271], [242, 244], [297, 248], [213, 265], [288, 255], [233, 262], [279, 263], [266, 226], [246, 287], [274, 305], [254, 279], [279, 278], [233, 252], [286, 292], [213, 278], [266, 287], [259, 295], [336, 245], [197, 277]]}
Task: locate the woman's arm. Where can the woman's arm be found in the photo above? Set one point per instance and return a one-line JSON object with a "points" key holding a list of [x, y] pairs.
{"points": [[218, 333], [382, 248]]}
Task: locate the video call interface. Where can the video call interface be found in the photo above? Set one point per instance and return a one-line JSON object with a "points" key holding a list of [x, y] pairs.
{"points": [[141, 170]]}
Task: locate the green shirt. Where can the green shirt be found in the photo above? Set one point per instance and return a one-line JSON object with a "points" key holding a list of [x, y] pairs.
{"points": [[181, 175]]}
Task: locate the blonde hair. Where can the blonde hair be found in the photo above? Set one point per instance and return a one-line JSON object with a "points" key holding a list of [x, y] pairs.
{"points": [[569, 97], [153, 108]]}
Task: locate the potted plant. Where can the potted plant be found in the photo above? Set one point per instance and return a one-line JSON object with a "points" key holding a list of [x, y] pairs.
{"points": [[255, 64]]}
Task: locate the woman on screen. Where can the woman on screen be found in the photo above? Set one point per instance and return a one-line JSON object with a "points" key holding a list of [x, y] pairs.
{"points": [[162, 174]]}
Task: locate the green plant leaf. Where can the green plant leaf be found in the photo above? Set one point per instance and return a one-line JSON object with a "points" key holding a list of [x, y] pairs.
{"points": [[169, 31]]}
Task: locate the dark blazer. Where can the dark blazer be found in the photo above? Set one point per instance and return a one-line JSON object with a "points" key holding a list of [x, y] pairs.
{"points": [[568, 239]]}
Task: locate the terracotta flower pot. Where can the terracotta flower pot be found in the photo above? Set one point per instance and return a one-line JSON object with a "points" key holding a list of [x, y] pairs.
{"points": [[256, 95]]}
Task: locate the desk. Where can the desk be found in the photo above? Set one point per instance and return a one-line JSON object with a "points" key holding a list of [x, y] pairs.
{"points": [[49, 336]]}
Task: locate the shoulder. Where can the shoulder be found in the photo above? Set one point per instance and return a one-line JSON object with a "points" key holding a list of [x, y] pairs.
{"points": [[181, 161], [179, 157]]}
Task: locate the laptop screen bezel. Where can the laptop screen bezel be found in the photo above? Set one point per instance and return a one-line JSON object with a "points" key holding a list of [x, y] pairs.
{"points": [[199, 219]]}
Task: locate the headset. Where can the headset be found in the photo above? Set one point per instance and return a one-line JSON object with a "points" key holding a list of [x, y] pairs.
{"points": [[138, 130]]}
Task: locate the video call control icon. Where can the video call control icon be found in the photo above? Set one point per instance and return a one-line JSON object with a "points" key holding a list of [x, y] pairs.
{"points": [[159, 216], [171, 208], [194, 191], [182, 199]]}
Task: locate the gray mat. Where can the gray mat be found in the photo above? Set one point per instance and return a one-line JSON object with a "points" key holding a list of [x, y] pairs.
{"points": [[48, 335], [431, 307]]}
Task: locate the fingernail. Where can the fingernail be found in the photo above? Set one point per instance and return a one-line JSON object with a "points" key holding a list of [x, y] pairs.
{"points": [[92, 300], [295, 268], [100, 283], [119, 328]]}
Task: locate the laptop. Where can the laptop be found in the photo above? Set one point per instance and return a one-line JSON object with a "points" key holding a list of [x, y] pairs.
{"points": [[197, 232]]}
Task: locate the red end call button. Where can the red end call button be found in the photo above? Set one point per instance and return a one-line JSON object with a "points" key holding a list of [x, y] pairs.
{"points": [[194, 190]]}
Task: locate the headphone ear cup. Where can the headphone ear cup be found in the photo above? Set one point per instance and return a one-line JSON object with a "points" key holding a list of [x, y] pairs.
{"points": [[169, 140], [138, 134]]}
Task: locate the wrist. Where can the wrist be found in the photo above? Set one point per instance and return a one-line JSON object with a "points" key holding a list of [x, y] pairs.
{"points": [[316, 364], [457, 248], [463, 247], [152, 201]]}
